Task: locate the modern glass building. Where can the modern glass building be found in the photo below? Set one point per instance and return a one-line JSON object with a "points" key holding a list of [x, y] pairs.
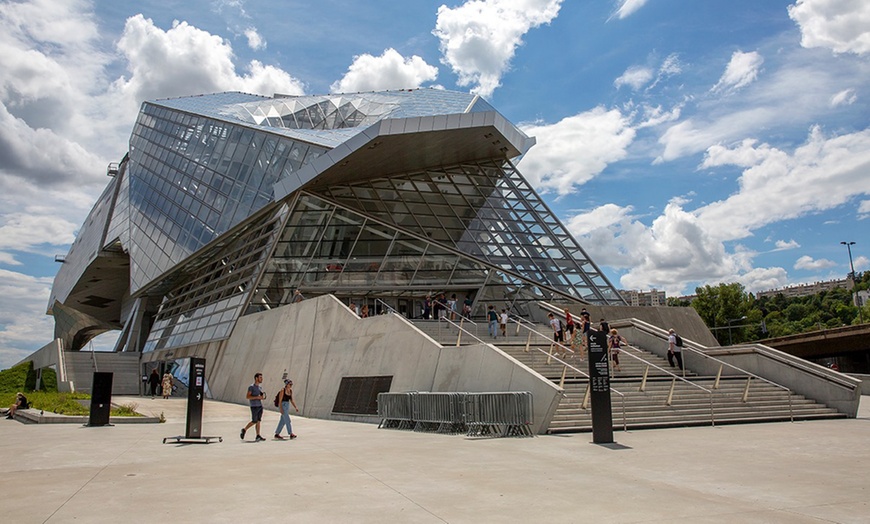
{"points": [[226, 204]]}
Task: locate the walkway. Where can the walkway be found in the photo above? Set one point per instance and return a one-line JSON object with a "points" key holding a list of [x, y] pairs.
{"points": [[803, 472]]}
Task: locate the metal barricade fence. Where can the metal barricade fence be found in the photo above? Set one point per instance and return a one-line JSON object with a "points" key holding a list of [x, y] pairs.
{"points": [[499, 414], [439, 412], [396, 410]]}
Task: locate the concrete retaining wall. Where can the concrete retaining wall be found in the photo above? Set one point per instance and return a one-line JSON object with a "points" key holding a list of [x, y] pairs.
{"points": [[319, 341]]}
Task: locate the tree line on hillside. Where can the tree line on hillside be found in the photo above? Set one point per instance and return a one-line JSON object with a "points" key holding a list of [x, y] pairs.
{"points": [[735, 316]]}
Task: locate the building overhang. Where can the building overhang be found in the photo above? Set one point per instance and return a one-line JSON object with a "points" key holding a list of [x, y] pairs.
{"points": [[403, 145]]}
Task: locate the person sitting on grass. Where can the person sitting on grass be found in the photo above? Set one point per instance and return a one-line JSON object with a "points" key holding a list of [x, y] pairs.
{"points": [[20, 403]]}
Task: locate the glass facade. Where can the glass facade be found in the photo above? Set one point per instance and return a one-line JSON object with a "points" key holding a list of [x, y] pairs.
{"points": [[395, 195]]}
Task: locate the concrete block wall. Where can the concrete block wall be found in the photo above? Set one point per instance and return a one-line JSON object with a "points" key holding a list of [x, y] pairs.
{"points": [[319, 341]]}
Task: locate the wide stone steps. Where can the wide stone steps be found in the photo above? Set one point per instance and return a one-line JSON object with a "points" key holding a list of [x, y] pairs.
{"points": [[689, 405]]}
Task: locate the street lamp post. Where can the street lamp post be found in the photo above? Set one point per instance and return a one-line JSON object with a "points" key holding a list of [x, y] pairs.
{"points": [[852, 276], [729, 327]]}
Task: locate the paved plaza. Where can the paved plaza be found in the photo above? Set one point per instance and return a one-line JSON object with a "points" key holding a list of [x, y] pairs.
{"points": [[349, 472]]}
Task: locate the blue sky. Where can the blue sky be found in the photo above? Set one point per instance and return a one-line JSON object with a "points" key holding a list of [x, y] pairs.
{"points": [[683, 143]]}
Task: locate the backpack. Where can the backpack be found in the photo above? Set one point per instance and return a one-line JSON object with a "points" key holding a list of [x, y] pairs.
{"points": [[679, 341], [278, 398]]}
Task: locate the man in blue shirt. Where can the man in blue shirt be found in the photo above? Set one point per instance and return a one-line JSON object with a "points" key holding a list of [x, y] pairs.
{"points": [[255, 396]]}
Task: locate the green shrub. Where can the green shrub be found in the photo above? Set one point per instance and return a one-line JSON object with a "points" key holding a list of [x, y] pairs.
{"points": [[14, 379]]}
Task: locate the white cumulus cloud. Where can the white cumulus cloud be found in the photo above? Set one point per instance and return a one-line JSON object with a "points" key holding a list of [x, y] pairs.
{"points": [[634, 77], [741, 71], [255, 41], [575, 149], [479, 38], [842, 26], [184, 60], [838, 164], [389, 71], [809, 263], [782, 245]]}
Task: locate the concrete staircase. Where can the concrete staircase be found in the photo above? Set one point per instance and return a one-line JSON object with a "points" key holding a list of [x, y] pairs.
{"points": [[635, 409], [126, 375]]}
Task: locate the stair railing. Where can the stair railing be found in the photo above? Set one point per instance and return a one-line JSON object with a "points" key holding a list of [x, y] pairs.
{"points": [[461, 330], [389, 307], [749, 376], [649, 328], [674, 377]]}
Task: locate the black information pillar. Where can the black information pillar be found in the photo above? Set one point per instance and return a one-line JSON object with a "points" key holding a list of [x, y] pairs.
{"points": [[599, 381], [101, 399], [195, 394]]}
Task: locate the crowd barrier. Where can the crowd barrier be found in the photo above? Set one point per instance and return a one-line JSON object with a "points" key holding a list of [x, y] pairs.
{"points": [[506, 414], [501, 414], [396, 410]]}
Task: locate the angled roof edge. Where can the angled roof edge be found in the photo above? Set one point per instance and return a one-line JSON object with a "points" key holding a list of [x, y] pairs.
{"points": [[429, 141]]}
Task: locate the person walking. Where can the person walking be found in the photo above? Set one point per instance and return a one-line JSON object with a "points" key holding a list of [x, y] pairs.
{"points": [[675, 348], [153, 381], [569, 326], [285, 400], [614, 344], [255, 397], [167, 384], [503, 321], [492, 316]]}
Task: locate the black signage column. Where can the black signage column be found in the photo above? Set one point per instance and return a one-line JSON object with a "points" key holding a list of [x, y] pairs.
{"points": [[195, 394], [599, 382], [101, 399]]}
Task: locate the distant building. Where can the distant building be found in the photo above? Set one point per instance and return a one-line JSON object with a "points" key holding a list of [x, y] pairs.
{"points": [[803, 290], [862, 298], [652, 297]]}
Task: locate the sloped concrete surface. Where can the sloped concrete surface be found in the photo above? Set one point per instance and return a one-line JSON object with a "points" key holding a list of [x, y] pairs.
{"points": [[804, 472]]}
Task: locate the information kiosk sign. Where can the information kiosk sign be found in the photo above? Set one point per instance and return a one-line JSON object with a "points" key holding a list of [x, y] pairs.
{"points": [[195, 394], [599, 382]]}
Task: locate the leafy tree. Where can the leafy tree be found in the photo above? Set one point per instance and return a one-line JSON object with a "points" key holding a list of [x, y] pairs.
{"points": [[722, 305]]}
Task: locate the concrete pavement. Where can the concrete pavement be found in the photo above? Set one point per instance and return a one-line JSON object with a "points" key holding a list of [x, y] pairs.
{"points": [[804, 472]]}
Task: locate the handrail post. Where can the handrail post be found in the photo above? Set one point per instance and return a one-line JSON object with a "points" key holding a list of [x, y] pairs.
{"points": [[562, 380], [643, 381], [712, 418], [624, 420], [746, 389], [585, 402], [718, 376], [671, 393], [528, 342], [459, 335], [550, 354]]}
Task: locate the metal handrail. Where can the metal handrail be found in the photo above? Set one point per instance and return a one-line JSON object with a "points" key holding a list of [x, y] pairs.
{"points": [[658, 332], [796, 363], [557, 359], [673, 383], [461, 330], [389, 307], [545, 337], [748, 373]]}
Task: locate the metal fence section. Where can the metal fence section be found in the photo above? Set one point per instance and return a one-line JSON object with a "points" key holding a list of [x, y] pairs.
{"points": [[499, 414], [475, 414], [396, 410], [439, 412]]}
